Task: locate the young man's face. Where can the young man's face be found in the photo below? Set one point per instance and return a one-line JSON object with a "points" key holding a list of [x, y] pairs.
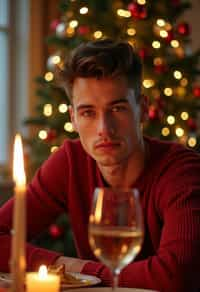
{"points": [[106, 116]]}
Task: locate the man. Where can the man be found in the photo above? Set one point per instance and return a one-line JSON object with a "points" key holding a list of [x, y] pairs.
{"points": [[103, 80]]}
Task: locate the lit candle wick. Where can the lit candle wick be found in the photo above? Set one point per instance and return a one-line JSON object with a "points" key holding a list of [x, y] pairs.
{"points": [[18, 164], [42, 273]]}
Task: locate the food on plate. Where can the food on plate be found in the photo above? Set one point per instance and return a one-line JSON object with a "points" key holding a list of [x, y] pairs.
{"points": [[66, 278]]}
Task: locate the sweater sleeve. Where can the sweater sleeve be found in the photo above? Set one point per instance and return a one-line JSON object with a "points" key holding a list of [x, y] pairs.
{"points": [[175, 265], [46, 200]]}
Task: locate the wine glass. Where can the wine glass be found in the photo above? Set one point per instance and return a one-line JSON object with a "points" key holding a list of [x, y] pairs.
{"points": [[116, 227]]}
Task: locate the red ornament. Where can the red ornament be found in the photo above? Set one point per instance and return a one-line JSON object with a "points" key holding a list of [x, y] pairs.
{"points": [[83, 29], [137, 11], [51, 135], [144, 53], [54, 24], [183, 29], [55, 231], [153, 113], [196, 91], [162, 68], [192, 124]]}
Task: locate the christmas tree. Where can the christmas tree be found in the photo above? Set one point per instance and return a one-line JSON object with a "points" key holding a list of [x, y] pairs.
{"points": [[161, 36]]}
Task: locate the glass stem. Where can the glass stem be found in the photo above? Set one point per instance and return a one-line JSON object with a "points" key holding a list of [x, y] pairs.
{"points": [[115, 280]]}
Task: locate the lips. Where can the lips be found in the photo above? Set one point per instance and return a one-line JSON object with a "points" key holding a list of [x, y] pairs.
{"points": [[107, 145]]}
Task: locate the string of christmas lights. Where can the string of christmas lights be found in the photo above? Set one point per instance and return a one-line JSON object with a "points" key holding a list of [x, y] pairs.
{"points": [[162, 39]]}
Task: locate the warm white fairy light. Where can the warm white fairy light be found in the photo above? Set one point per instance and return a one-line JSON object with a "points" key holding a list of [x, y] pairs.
{"points": [[160, 22], [177, 74], [163, 33], [83, 10], [171, 120], [120, 12], [148, 83], [123, 13], [168, 91], [192, 141], [42, 134], [174, 43], [179, 132], [48, 110], [131, 31], [54, 148], [52, 61], [48, 76], [141, 2], [156, 44], [73, 23], [56, 59], [63, 108], [98, 34], [68, 127], [127, 14], [165, 131], [184, 116]]}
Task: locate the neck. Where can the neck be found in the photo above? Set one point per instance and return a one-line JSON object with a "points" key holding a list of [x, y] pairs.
{"points": [[125, 174]]}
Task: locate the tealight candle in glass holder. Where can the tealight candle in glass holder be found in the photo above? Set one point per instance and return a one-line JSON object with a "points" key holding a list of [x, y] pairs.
{"points": [[42, 281]]}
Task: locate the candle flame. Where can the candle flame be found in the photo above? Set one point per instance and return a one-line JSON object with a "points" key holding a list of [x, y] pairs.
{"points": [[18, 163], [42, 273]]}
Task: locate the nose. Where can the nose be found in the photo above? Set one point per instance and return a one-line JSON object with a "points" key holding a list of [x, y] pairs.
{"points": [[106, 126]]}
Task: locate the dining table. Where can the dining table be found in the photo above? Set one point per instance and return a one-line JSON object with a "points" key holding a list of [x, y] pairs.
{"points": [[5, 287], [108, 289]]}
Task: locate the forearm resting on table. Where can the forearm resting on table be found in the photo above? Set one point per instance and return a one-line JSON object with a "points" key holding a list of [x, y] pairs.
{"points": [[71, 264]]}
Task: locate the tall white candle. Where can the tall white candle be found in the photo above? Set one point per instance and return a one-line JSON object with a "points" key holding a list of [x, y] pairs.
{"points": [[18, 262]]}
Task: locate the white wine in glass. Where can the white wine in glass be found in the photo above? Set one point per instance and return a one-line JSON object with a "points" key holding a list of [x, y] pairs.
{"points": [[116, 227]]}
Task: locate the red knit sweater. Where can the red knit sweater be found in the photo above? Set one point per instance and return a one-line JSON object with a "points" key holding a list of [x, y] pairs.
{"points": [[170, 194]]}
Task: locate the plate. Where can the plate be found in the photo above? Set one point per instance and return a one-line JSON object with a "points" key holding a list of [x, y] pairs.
{"points": [[85, 280], [108, 289]]}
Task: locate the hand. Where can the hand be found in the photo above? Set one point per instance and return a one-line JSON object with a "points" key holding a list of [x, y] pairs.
{"points": [[71, 264]]}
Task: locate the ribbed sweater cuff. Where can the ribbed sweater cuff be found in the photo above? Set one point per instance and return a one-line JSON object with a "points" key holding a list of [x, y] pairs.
{"points": [[98, 270]]}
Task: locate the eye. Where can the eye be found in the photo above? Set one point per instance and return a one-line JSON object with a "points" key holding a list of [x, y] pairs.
{"points": [[88, 113], [119, 108]]}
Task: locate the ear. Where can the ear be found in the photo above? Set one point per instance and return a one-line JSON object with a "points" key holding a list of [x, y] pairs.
{"points": [[144, 103], [72, 117]]}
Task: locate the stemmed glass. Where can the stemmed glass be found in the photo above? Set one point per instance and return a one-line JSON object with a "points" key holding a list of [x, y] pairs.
{"points": [[116, 227]]}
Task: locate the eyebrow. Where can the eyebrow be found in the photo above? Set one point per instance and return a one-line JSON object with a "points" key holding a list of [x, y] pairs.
{"points": [[88, 106], [120, 100], [84, 106]]}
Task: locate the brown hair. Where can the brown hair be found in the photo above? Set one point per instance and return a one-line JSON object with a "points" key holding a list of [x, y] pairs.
{"points": [[101, 59]]}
